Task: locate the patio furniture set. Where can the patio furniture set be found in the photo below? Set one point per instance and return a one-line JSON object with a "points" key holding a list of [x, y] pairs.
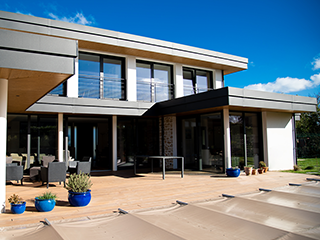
{"points": [[50, 170]]}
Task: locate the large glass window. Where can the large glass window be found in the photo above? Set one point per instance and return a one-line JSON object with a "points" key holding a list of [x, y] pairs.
{"points": [[91, 136], [196, 81], [201, 142], [136, 136], [43, 131], [211, 142], [237, 139], [113, 86], [101, 76], [245, 139], [60, 90], [154, 82], [89, 76], [252, 138]]}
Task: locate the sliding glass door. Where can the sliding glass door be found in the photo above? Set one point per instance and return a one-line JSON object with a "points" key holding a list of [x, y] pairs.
{"points": [[245, 139]]}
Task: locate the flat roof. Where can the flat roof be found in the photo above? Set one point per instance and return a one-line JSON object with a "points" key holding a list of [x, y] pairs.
{"points": [[33, 64], [234, 99], [92, 38]]}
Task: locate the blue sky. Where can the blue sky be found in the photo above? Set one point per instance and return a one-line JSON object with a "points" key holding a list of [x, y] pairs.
{"points": [[281, 38]]}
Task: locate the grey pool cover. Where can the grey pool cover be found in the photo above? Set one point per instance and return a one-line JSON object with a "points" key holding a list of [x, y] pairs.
{"points": [[290, 212]]}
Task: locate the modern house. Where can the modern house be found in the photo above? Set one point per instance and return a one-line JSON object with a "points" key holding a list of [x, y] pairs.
{"points": [[112, 96]]}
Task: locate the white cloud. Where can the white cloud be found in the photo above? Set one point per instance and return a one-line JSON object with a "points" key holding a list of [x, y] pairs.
{"points": [[316, 64], [79, 18], [30, 14], [287, 84], [252, 64]]}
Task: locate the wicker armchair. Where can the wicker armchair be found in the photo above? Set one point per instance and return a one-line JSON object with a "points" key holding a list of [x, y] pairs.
{"points": [[14, 172], [55, 172]]}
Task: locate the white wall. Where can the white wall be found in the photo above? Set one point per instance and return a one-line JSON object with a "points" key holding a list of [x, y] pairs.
{"points": [[3, 141], [279, 140], [131, 78], [178, 75], [218, 79], [72, 83]]}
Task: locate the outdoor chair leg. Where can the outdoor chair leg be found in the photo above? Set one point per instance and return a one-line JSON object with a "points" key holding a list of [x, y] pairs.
{"points": [[47, 184], [64, 183]]}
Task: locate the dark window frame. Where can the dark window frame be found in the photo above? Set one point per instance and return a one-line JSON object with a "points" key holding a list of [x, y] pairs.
{"points": [[151, 64], [194, 77], [123, 69]]}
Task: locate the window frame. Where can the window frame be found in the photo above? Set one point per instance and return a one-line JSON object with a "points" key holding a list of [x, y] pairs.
{"points": [[171, 76], [194, 78], [101, 70]]}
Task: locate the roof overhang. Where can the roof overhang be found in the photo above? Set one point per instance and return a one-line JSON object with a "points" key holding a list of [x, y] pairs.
{"points": [[95, 39], [33, 65], [235, 99]]}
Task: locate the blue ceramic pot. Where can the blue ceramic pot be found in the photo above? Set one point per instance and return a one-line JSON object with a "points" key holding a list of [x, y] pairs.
{"points": [[18, 208], [44, 205], [81, 199], [233, 172]]}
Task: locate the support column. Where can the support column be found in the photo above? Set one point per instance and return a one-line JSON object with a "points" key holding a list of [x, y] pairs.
{"points": [[3, 141], [29, 142], [227, 141], [174, 136], [66, 141], [265, 138], [114, 143], [60, 137]]}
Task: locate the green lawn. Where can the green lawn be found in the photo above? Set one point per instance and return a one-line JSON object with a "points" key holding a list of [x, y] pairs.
{"points": [[308, 166]]}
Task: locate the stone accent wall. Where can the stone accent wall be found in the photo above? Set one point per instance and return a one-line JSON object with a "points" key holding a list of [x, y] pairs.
{"points": [[168, 139]]}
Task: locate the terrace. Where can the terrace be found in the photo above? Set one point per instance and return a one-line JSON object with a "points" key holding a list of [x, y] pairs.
{"points": [[113, 190]]}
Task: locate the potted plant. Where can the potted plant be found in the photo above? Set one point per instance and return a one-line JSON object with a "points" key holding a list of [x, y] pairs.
{"points": [[18, 206], [248, 170], [79, 186], [233, 172], [254, 171], [263, 166], [45, 202]]}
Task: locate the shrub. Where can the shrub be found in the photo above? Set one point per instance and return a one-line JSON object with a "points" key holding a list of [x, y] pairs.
{"points": [[79, 182], [15, 199], [262, 164], [309, 168], [47, 195], [296, 168]]}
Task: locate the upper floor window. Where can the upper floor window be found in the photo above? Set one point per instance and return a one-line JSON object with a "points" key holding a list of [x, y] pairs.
{"points": [[61, 90], [101, 76], [196, 81], [154, 82]]}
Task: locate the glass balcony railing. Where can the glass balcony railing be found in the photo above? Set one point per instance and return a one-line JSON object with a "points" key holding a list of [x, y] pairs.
{"points": [[154, 92], [101, 87], [189, 90]]}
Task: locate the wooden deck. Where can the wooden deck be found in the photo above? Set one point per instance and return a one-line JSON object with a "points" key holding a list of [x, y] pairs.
{"points": [[113, 190]]}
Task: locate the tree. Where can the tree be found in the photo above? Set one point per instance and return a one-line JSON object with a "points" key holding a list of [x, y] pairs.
{"points": [[308, 133]]}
